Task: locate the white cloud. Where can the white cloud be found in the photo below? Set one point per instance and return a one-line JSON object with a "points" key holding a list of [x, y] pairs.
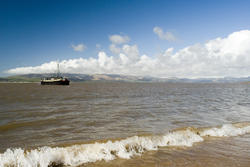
{"points": [[118, 39], [164, 35], [79, 48], [114, 49], [132, 52], [219, 57]]}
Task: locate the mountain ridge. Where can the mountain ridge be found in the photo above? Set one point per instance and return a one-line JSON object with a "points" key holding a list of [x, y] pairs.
{"points": [[119, 78]]}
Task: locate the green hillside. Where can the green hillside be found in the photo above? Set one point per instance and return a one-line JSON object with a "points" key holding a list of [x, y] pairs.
{"points": [[19, 79]]}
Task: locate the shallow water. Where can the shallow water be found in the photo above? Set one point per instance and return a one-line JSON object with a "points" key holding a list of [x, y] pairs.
{"points": [[69, 118]]}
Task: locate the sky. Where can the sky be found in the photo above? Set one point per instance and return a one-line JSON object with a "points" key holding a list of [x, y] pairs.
{"points": [[159, 38]]}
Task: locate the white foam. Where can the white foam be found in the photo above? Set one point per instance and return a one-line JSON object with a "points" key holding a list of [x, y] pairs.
{"points": [[226, 131], [79, 154]]}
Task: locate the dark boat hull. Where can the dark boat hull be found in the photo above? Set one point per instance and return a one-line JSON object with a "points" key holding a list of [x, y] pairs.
{"points": [[65, 82]]}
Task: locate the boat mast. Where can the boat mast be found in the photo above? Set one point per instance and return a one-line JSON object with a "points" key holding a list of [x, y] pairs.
{"points": [[58, 71]]}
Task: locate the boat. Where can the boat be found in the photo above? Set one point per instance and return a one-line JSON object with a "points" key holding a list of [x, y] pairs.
{"points": [[57, 80]]}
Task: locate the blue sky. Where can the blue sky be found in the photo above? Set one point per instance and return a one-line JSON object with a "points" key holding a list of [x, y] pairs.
{"points": [[34, 32]]}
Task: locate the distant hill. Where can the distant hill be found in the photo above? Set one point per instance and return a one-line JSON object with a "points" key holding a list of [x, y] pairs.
{"points": [[78, 78], [19, 78], [121, 78]]}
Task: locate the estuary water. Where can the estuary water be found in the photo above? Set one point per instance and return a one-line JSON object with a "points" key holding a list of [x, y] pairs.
{"points": [[125, 124]]}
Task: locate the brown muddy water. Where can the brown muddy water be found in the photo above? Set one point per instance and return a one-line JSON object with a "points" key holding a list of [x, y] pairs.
{"points": [[125, 124]]}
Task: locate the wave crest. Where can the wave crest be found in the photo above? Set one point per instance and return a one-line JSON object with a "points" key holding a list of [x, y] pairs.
{"points": [[79, 154]]}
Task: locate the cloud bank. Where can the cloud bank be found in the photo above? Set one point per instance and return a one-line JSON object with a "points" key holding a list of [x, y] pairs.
{"points": [[220, 57], [164, 35]]}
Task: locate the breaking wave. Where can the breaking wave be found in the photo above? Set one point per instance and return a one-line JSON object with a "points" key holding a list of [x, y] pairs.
{"points": [[83, 153]]}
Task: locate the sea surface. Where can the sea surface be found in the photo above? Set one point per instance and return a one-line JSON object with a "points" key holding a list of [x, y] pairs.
{"points": [[103, 124]]}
